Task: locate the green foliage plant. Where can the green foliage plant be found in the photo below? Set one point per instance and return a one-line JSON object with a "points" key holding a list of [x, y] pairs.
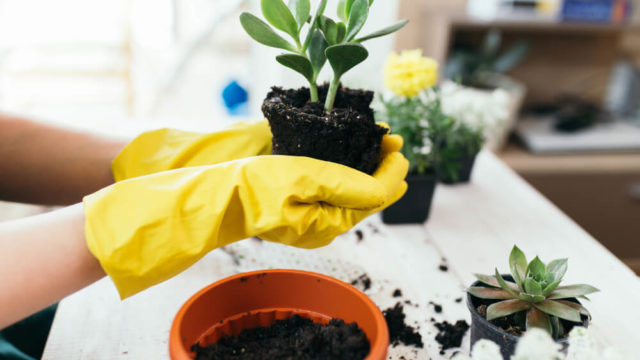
{"points": [[326, 39], [471, 67], [536, 294]]}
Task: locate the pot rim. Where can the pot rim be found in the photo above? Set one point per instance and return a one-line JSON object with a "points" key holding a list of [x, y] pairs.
{"points": [[378, 348], [505, 334]]}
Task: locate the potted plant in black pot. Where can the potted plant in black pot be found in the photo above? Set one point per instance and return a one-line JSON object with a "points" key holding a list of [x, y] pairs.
{"points": [[328, 122], [504, 307], [412, 114], [458, 148], [477, 76]]}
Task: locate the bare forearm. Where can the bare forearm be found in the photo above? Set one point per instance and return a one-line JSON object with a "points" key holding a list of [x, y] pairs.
{"points": [[43, 259], [42, 164]]}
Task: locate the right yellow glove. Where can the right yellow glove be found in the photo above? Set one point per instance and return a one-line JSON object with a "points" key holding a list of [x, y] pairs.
{"points": [[148, 229], [168, 149]]}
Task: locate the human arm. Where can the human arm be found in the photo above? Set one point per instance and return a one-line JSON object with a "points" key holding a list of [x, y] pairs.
{"points": [[46, 165], [145, 230], [43, 258]]}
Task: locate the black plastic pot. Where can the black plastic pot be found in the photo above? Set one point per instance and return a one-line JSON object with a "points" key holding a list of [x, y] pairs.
{"points": [[415, 205], [463, 174], [483, 329]]}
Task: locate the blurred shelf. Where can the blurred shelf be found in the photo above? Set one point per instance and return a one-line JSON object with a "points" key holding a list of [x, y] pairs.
{"points": [[464, 22], [522, 161]]}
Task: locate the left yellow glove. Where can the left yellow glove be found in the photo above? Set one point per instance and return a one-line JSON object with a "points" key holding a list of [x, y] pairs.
{"points": [[168, 149], [148, 229]]}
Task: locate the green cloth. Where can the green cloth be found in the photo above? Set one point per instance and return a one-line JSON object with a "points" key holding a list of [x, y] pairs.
{"points": [[25, 339]]}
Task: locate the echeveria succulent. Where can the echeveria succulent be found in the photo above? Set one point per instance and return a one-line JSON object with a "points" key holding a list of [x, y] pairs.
{"points": [[325, 39], [536, 291]]}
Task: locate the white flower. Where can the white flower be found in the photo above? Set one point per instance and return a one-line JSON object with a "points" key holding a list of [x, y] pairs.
{"points": [[476, 108], [486, 350], [537, 344]]}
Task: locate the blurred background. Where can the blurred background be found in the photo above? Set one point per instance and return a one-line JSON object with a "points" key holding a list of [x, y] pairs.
{"points": [[570, 69]]}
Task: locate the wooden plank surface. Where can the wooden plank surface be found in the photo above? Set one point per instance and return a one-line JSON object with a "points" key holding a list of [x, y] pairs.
{"points": [[471, 229]]}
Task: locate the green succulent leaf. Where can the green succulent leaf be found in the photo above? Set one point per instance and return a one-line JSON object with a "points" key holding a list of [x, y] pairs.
{"points": [[536, 268], [492, 281], [279, 15], [581, 309], [263, 33], [347, 7], [532, 287], [531, 298], [549, 288], [488, 293], [342, 10], [382, 32], [343, 57], [329, 29], [570, 291], [297, 63], [491, 43], [314, 24], [558, 309], [301, 11], [357, 17], [558, 268], [506, 307], [518, 265], [503, 284], [342, 31], [317, 46], [558, 329], [537, 318]]}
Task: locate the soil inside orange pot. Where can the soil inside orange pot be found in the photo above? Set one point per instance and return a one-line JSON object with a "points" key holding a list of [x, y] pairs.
{"points": [[293, 338]]}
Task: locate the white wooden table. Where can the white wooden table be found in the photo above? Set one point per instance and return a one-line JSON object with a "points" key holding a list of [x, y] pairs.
{"points": [[472, 229]]}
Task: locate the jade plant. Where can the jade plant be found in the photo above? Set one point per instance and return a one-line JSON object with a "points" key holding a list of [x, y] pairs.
{"points": [[536, 295], [325, 39]]}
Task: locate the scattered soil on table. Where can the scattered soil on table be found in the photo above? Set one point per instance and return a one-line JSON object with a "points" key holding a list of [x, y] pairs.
{"points": [[399, 331], [458, 300], [450, 335], [359, 235], [436, 307], [346, 135], [443, 268], [363, 282], [397, 293], [292, 338]]}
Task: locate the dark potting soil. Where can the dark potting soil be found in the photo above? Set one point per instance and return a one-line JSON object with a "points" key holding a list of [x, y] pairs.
{"points": [[510, 324], [450, 335], [292, 338], [397, 293], [436, 307], [359, 235], [363, 282], [346, 135], [399, 331]]}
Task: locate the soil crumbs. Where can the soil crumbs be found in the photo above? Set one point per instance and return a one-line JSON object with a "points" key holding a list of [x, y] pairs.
{"points": [[399, 331], [363, 281], [292, 338], [450, 335]]}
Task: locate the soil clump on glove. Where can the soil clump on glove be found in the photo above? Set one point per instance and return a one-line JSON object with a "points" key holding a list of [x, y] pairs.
{"points": [[346, 135], [292, 338]]}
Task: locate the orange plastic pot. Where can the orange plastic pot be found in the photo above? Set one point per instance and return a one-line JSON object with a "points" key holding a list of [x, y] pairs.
{"points": [[259, 298]]}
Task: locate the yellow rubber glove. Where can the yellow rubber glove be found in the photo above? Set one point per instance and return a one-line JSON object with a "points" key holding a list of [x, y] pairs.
{"points": [[148, 229], [168, 149]]}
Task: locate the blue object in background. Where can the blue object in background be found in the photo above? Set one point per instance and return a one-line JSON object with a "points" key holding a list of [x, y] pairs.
{"points": [[588, 10], [236, 99]]}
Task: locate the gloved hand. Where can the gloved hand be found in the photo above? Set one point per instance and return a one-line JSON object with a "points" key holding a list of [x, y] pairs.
{"points": [[168, 149], [148, 229]]}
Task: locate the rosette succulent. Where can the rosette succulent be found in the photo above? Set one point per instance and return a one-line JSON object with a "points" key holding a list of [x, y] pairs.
{"points": [[335, 41], [536, 293]]}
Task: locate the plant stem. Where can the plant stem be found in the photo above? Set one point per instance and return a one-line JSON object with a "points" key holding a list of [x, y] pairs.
{"points": [[313, 90], [331, 95]]}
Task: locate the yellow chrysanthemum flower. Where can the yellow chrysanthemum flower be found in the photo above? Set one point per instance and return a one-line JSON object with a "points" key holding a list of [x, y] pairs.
{"points": [[410, 73]]}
